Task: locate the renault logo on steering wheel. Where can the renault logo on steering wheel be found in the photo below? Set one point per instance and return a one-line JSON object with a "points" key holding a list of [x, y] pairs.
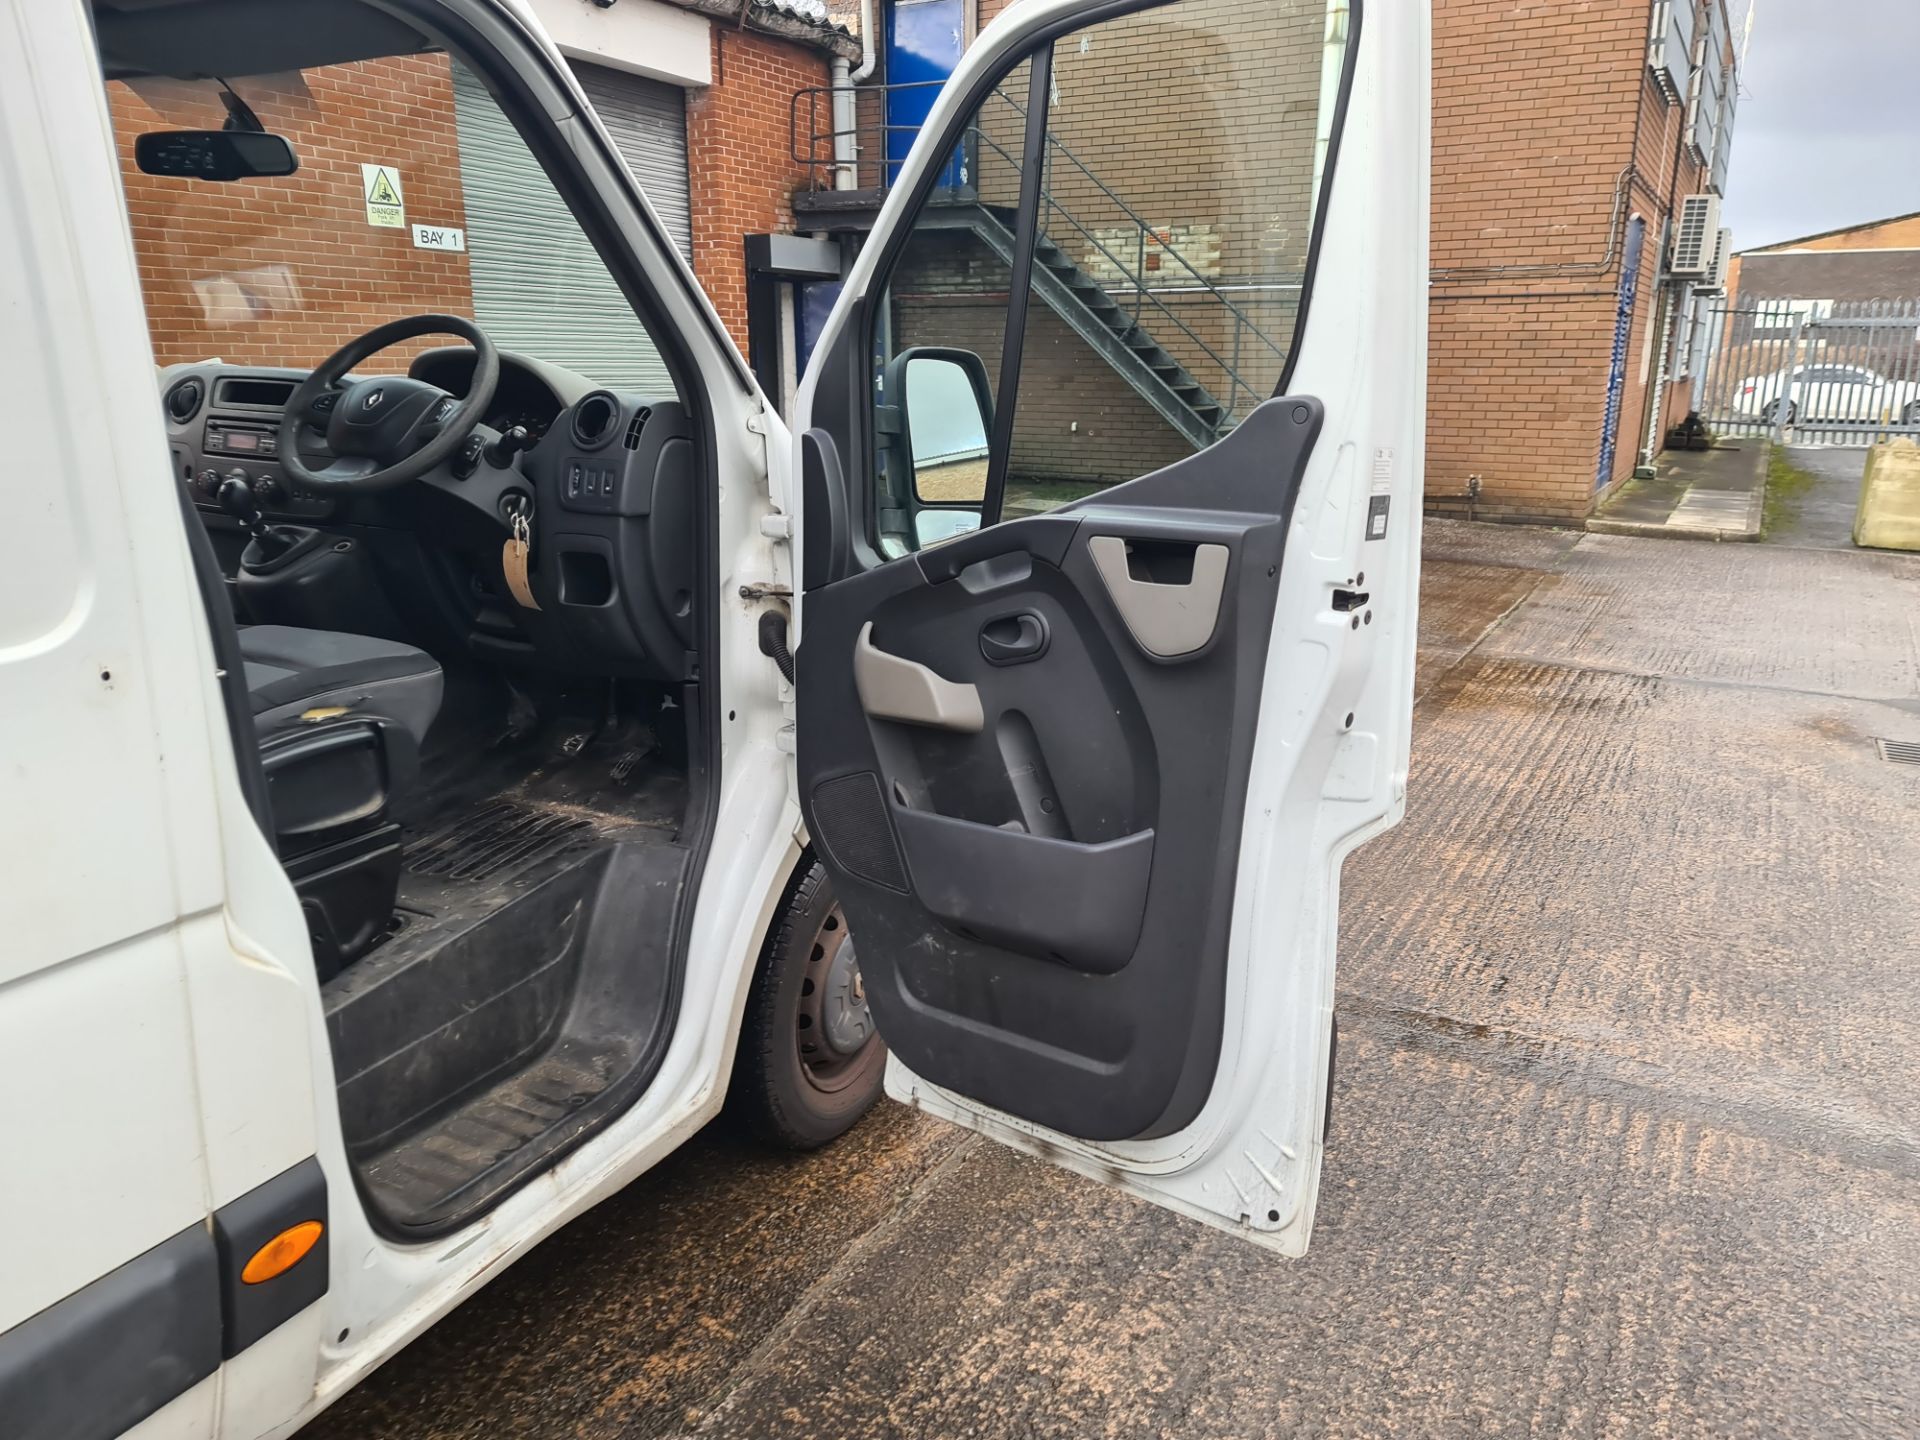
{"points": [[373, 398]]}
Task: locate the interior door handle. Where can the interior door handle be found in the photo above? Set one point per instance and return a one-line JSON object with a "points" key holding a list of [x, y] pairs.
{"points": [[894, 688], [1015, 639]]}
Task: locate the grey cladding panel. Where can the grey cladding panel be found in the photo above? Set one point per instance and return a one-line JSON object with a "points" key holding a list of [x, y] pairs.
{"points": [[109, 1355], [539, 286], [648, 121]]}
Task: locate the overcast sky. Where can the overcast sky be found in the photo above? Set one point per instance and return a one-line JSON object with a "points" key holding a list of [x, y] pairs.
{"points": [[1828, 132]]}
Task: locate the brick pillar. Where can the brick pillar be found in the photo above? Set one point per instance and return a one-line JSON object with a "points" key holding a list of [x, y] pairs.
{"points": [[742, 174]]}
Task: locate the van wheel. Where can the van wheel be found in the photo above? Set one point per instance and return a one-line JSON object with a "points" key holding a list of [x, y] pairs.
{"points": [[811, 1062]]}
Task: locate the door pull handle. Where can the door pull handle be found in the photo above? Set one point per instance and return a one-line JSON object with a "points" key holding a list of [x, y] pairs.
{"points": [[892, 687], [1015, 639]]}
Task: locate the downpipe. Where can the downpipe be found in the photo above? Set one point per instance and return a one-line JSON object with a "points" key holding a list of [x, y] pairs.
{"points": [[845, 107]]}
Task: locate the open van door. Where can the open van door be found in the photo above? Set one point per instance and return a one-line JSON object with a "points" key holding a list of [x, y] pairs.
{"points": [[1109, 469]]}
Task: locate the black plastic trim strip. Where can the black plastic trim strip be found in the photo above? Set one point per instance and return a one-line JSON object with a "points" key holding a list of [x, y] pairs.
{"points": [[242, 1226], [1013, 340], [1355, 13], [100, 1361], [235, 700]]}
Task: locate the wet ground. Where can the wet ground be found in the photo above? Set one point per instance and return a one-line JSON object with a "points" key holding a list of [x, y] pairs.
{"points": [[1626, 1135], [1819, 514], [1714, 494]]}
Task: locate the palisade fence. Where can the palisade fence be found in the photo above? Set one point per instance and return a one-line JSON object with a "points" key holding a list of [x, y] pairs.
{"points": [[1810, 372]]}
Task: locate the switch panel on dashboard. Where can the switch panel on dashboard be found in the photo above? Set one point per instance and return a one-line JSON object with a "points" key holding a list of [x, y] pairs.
{"points": [[591, 485]]}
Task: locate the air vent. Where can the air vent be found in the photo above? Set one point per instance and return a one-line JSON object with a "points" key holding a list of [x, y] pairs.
{"points": [[636, 425], [1716, 281], [1695, 234], [594, 418], [183, 400], [1899, 752]]}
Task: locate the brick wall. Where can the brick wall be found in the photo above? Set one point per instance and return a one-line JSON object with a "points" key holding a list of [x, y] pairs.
{"points": [[285, 271], [1539, 106], [741, 172], [1533, 118]]}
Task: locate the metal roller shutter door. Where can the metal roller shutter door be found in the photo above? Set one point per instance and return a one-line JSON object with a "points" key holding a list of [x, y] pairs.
{"points": [[648, 121], [539, 287]]}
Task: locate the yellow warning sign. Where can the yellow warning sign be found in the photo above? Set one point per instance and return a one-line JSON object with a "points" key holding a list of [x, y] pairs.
{"points": [[380, 184]]}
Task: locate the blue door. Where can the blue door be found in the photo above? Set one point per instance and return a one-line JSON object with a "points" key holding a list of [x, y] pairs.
{"points": [[924, 41]]}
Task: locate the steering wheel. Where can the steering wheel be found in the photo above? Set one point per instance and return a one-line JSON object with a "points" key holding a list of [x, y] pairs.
{"points": [[387, 429]]}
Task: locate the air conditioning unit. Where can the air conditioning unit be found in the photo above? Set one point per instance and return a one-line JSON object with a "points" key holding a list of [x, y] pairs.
{"points": [[1694, 235], [1716, 281]]}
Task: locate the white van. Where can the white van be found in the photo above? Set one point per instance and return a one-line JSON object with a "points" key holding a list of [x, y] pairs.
{"points": [[436, 776]]}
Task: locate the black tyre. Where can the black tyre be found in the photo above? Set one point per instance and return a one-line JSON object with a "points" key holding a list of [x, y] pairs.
{"points": [[1772, 412], [810, 1062], [1911, 414]]}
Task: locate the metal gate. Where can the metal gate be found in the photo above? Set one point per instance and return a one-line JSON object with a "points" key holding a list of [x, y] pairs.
{"points": [[1810, 372]]}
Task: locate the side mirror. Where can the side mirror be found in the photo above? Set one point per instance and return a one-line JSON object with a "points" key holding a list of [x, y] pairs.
{"points": [[213, 154], [945, 401]]}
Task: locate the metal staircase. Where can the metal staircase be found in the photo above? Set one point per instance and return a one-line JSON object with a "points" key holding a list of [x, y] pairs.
{"points": [[1116, 317], [1113, 331]]}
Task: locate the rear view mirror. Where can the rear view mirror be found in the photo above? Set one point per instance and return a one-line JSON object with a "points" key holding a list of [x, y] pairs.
{"points": [[213, 154]]}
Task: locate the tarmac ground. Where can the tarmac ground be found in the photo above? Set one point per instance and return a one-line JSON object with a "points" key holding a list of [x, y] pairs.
{"points": [[1626, 1128]]}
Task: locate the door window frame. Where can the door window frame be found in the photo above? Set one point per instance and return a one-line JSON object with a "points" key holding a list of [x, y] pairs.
{"points": [[864, 322]]}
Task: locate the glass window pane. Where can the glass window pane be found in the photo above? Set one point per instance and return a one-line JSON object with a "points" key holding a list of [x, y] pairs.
{"points": [[948, 288], [1184, 146]]}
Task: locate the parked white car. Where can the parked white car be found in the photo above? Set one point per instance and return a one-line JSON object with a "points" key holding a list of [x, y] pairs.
{"points": [[1830, 393]]}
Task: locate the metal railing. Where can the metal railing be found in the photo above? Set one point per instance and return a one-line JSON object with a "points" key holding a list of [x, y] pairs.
{"points": [[1129, 262], [1808, 371]]}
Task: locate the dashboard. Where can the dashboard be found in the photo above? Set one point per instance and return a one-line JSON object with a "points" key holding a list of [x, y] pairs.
{"points": [[529, 394], [608, 478]]}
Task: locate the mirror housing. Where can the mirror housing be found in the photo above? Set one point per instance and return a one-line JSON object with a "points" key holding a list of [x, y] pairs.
{"points": [[935, 442], [214, 154]]}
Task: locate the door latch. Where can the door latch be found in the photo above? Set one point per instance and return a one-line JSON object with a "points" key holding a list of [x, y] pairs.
{"points": [[1013, 639]]}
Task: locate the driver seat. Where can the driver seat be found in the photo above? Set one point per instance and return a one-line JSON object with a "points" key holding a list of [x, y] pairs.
{"points": [[291, 672], [340, 719]]}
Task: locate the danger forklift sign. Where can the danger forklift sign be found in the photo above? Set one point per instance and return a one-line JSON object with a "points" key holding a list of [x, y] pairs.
{"points": [[380, 184]]}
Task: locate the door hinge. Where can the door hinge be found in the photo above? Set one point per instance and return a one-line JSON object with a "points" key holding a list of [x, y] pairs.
{"points": [[777, 526], [771, 591]]}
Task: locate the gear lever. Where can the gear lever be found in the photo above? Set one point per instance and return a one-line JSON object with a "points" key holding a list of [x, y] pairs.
{"points": [[235, 496]]}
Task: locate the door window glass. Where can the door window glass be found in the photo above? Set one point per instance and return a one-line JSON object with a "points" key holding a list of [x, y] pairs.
{"points": [[1183, 155]]}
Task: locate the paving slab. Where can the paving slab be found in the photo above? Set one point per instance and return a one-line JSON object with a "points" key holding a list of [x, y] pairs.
{"points": [[626, 1320], [1497, 1254], [1821, 517], [1843, 624], [1716, 494]]}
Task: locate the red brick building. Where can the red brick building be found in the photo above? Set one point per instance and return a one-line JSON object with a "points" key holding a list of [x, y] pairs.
{"points": [[1564, 139]]}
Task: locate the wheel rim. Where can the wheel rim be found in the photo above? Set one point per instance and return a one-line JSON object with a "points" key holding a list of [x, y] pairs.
{"points": [[833, 1028]]}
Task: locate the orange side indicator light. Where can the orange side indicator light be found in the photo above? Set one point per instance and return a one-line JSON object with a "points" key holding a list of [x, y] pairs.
{"points": [[282, 1252]]}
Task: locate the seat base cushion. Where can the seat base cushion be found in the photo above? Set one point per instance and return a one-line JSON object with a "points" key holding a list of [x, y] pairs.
{"points": [[292, 672]]}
